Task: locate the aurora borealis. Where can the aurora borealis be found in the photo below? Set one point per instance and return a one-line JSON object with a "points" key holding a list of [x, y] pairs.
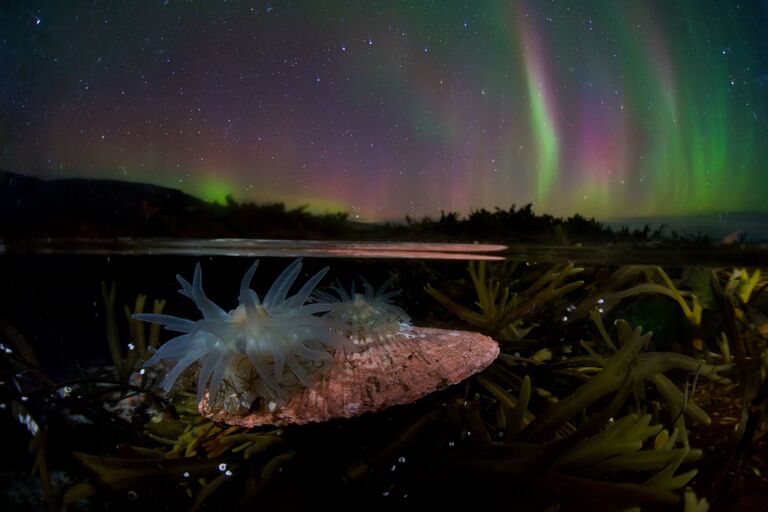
{"points": [[382, 109]]}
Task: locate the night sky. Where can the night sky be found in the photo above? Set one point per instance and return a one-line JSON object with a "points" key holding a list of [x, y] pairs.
{"points": [[387, 108]]}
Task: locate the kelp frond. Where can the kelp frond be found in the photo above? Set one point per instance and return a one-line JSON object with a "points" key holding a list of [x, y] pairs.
{"points": [[137, 348], [501, 310], [607, 381]]}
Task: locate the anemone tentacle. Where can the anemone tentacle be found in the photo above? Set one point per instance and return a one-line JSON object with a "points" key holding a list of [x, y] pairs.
{"points": [[370, 314], [280, 335]]}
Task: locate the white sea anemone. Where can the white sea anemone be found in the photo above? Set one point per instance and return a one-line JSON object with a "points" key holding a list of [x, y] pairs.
{"points": [[367, 315], [281, 337]]}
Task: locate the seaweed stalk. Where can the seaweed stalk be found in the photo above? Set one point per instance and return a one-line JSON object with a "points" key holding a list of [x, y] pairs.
{"points": [[607, 381]]}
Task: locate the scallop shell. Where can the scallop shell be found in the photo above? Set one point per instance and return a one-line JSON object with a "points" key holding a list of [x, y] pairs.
{"points": [[397, 369]]}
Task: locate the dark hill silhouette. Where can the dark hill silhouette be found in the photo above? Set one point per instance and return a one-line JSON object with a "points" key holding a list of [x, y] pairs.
{"points": [[32, 207], [105, 208], [77, 206]]}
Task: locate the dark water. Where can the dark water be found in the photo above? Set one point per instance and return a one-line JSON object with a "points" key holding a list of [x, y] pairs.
{"points": [[752, 227], [751, 255], [51, 295]]}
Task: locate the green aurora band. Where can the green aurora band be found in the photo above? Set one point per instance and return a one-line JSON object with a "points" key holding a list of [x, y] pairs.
{"points": [[599, 107]]}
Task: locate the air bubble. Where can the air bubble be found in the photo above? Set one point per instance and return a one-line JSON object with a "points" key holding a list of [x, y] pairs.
{"points": [[601, 300], [29, 422], [185, 474], [223, 466], [565, 318], [401, 460], [228, 473], [132, 495]]}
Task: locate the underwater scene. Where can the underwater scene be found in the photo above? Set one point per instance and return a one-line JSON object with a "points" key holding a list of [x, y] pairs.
{"points": [[374, 255], [433, 377]]}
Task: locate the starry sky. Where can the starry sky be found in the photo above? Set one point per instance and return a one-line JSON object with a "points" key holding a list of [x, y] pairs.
{"points": [[607, 108]]}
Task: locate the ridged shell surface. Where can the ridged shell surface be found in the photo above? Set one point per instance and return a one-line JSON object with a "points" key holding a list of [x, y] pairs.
{"points": [[397, 369]]}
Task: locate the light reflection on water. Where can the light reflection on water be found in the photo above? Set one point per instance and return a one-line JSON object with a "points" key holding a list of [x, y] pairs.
{"points": [[255, 247], [752, 255]]}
